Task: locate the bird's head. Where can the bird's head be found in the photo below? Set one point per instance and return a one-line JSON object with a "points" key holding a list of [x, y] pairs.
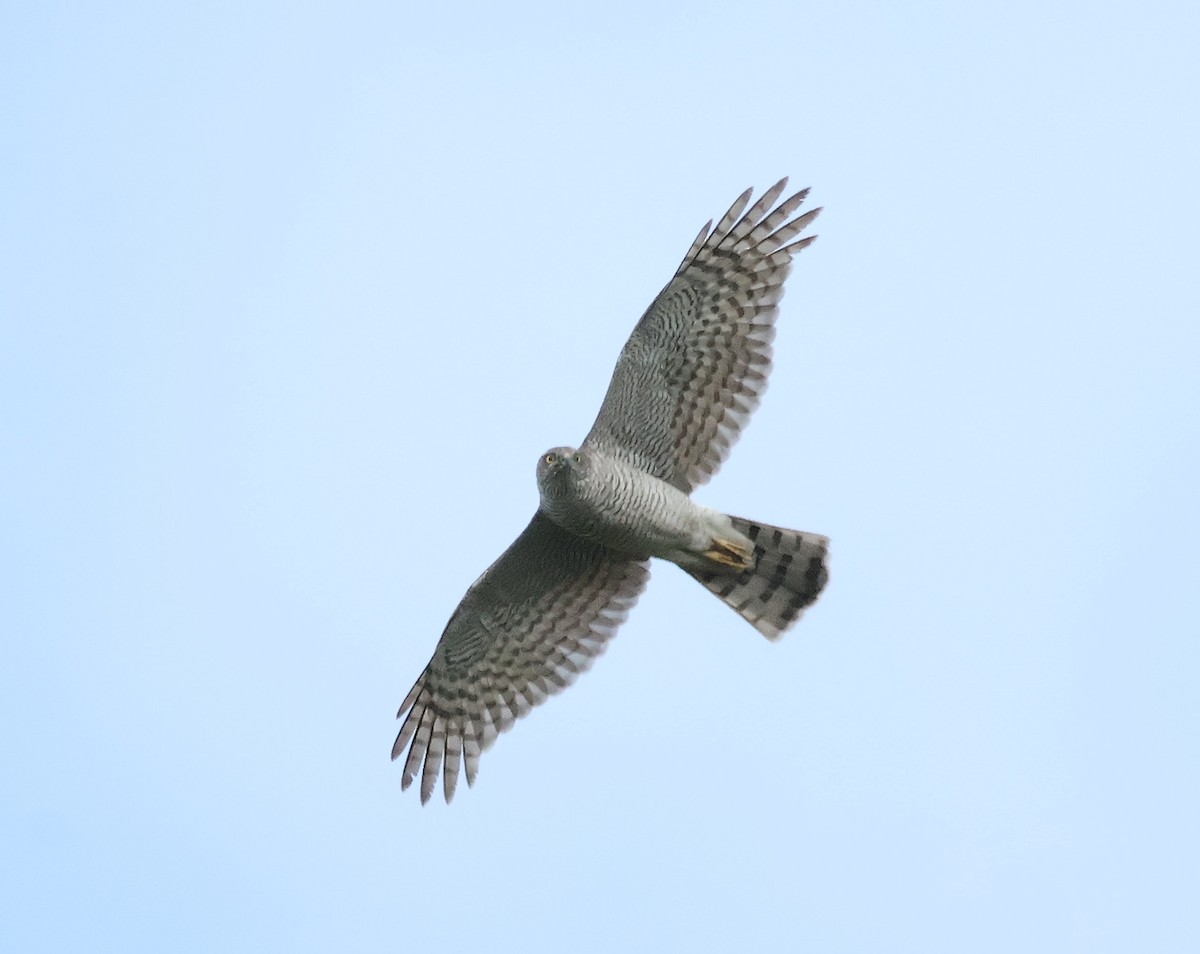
{"points": [[560, 467]]}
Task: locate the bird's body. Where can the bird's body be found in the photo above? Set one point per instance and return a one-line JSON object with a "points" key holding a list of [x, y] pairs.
{"points": [[684, 386], [606, 501]]}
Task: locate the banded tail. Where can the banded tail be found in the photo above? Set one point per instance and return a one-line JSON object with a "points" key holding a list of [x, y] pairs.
{"points": [[786, 576]]}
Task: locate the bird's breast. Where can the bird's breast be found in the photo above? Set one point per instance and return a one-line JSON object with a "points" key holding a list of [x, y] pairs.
{"points": [[628, 510]]}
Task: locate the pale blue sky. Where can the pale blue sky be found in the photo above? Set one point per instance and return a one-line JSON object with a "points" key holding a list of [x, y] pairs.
{"points": [[284, 285]]}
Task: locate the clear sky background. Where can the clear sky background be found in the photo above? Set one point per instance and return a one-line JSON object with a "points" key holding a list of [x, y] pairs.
{"points": [[292, 297]]}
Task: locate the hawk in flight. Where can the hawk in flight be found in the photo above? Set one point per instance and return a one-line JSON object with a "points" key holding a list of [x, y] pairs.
{"points": [[684, 386]]}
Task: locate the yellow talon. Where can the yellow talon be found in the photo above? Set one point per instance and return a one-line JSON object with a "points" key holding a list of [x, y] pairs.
{"points": [[731, 554]]}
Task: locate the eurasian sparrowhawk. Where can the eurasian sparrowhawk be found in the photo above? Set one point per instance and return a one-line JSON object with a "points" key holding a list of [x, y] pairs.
{"points": [[684, 386]]}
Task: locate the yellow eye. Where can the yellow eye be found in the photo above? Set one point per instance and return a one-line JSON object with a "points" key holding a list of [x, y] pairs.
{"points": [[576, 458], [549, 458]]}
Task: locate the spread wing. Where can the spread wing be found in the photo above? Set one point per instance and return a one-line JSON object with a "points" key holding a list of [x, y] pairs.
{"points": [[696, 365], [536, 619]]}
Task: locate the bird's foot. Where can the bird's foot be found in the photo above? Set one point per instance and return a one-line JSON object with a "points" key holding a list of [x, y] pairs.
{"points": [[730, 553]]}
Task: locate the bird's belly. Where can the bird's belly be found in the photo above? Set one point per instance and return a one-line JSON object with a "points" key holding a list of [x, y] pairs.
{"points": [[639, 515]]}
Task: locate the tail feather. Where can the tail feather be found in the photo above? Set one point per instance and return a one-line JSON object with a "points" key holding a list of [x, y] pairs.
{"points": [[786, 576]]}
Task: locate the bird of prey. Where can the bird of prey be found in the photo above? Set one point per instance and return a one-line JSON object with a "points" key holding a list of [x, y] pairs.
{"points": [[684, 386]]}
